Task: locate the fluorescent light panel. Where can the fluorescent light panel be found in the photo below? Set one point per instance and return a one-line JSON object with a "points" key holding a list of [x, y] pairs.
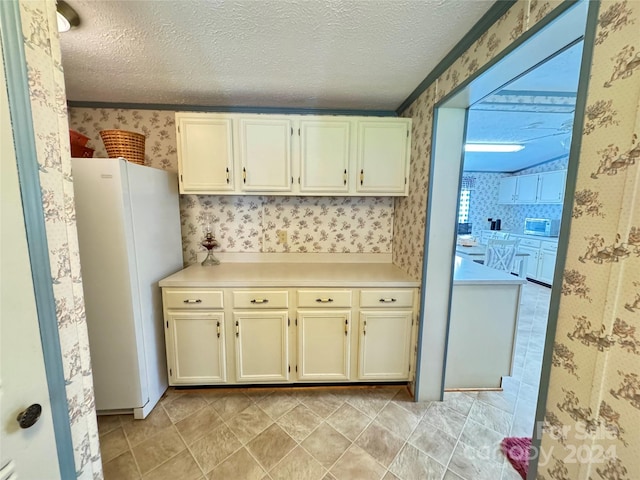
{"points": [[492, 147]]}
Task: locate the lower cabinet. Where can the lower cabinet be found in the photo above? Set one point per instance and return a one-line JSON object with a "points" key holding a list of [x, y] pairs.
{"points": [[262, 346], [230, 336], [384, 345], [532, 260], [547, 264], [196, 347], [324, 338]]}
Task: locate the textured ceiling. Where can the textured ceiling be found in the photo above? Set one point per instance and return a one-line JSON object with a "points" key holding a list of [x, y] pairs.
{"points": [[350, 54], [535, 110]]}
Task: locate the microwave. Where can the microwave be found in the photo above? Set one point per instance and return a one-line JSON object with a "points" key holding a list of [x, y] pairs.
{"points": [[545, 227]]}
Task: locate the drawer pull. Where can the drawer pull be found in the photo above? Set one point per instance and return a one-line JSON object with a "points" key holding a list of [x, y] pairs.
{"points": [[260, 300], [387, 300], [197, 300], [218, 329], [346, 327], [324, 300], [237, 329]]}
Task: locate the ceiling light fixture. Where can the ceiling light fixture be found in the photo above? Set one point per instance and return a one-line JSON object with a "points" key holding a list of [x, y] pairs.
{"points": [[67, 17], [492, 147]]}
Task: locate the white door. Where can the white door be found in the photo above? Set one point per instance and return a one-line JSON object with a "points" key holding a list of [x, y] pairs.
{"points": [[262, 346], [205, 153], [324, 156], [265, 151], [383, 156], [28, 452], [323, 344], [527, 189], [195, 348], [551, 187], [384, 345]]}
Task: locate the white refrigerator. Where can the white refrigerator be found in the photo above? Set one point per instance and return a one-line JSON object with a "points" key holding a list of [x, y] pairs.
{"points": [[128, 221]]}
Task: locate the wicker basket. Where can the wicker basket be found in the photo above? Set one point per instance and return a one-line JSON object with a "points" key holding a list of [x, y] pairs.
{"points": [[120, 143]]}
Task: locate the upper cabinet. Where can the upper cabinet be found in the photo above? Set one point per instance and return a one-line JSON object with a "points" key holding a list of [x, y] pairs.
{"points": [[224, 154], [383, 156], [518, 189], [547, 187], [325, 148], [208, 144], [265, 154], [551, 186]]}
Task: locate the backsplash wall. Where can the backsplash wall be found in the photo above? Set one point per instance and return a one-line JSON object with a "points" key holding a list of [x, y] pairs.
{"points": [[484, 200], [249, 223]]}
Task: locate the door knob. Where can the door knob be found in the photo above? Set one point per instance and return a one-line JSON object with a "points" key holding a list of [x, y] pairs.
{"points": [[30, 416]]}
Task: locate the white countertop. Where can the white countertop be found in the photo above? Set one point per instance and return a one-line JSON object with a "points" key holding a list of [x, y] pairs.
{"points": [[291, 275], [335, 275], [468, 272]]}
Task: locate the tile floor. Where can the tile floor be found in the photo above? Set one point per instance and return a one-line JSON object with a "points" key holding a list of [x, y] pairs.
{"points": [[333, 433]]}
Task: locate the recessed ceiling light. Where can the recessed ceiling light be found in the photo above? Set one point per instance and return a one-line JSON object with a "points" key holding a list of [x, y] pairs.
{"points": [[67, 17], [492, 147]]}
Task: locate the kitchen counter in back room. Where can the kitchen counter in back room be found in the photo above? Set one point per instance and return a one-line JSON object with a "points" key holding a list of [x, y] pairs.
{"points": [[483, 323]]}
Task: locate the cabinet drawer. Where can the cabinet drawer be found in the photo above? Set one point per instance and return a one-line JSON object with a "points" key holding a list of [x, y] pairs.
{"points": [[180, 298], [530, 242], [386, 298], [324, 298], [552, 246], [261, 299]]}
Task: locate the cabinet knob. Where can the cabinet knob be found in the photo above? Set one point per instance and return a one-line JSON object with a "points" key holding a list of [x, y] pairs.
{"points": [[30, 416]]}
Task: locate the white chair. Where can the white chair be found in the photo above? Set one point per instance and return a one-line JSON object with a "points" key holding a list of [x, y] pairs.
{"points": [[501, 235], [501, 254]]}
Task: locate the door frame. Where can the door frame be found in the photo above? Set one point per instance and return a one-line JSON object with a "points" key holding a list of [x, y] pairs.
{"points": [[29, 180], [445, 177]]}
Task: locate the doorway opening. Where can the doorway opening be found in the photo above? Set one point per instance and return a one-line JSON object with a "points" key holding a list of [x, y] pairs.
{"points": [[451, 128]]}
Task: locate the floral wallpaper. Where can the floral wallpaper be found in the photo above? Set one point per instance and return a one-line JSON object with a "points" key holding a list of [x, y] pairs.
{"points": [[249, 223], [48, 105], [592, 424], [484, 201]]}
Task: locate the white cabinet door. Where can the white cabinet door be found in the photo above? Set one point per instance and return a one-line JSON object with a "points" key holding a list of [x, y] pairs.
{"points": [[324, 156], [383, 156], [195, 348], [384, 345], [323, 344], [546, 265], [262, 346], [507, 190], [527, 191], [205, 153], [551, 186], [265, 154], [532, 260]]}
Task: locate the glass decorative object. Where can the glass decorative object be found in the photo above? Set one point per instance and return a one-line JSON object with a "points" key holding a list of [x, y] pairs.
{"points": [[209, 243]]}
